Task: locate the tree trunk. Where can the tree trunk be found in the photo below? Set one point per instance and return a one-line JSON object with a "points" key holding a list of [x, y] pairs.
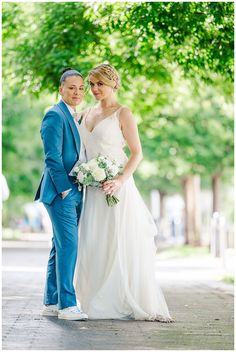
{"points": [[192, 210], [162, 212], [215, 193]]}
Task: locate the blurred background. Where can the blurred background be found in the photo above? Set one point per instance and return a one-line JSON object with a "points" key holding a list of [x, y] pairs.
{"points": [[176, 65]]}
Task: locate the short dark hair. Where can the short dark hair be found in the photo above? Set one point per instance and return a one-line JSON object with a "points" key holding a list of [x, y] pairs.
{"points": [[69, 72]]}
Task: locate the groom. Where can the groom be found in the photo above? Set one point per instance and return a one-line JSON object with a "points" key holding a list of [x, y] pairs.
{"points": [[60, 196]]}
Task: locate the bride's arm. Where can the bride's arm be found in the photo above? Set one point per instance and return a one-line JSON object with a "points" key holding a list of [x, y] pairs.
{"points": [[130, 133]]}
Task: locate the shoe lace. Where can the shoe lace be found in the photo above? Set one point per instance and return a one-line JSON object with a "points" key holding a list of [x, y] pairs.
{"points": [[74, 309]]}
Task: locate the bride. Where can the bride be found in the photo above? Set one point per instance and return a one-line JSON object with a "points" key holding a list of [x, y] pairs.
{"points": [[115, 274]]}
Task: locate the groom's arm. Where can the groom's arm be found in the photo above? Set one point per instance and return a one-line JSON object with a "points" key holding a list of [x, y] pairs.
{"points": [[52, 136]]}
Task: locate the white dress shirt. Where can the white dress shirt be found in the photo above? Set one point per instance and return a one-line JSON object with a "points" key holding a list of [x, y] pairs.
{"points": [[82, 154]]}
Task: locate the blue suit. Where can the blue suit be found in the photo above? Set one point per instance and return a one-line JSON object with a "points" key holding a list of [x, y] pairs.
{"points": [[61, 143]]}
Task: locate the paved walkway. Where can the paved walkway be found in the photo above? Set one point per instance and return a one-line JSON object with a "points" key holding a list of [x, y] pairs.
{"points": [[203, 309]]}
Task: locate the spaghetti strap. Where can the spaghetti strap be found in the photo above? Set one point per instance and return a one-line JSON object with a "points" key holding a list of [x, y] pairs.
{"points": [[117, 112], [86, 114]]}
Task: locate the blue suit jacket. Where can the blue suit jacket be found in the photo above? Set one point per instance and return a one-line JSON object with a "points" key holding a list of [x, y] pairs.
{"points": [[61, 143]]}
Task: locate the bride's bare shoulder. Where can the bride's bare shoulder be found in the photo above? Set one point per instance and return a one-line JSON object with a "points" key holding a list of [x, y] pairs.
{"points": [[125, 113]]}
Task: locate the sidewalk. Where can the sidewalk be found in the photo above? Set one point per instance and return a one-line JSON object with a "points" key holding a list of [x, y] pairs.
{"points": [[202, 307]]}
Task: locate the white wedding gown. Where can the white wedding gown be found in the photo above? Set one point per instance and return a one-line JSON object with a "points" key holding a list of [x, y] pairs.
{"points": [[115, 273]]}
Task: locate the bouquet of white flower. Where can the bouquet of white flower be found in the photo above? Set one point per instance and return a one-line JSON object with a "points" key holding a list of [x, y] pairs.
{"points": [[95, 172]]}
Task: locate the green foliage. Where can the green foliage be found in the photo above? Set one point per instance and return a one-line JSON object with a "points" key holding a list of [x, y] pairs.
{"points": [[22, 154], [12, 21], [189, 132], [21, 157], [196, 35], [139, 38], [45, 45]]}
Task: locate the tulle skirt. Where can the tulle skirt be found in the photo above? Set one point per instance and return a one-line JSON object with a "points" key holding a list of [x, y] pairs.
{"points": [[115, 273]]}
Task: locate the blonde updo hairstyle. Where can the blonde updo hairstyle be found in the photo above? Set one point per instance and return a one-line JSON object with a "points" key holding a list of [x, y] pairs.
{"points": [[107, 75]]}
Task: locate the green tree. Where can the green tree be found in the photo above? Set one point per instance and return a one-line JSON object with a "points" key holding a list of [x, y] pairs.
{"points": [[139, 38], [22, 154]]}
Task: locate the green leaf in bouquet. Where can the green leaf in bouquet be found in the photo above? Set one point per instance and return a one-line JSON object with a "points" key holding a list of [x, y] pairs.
{"points": [[88, 180]]}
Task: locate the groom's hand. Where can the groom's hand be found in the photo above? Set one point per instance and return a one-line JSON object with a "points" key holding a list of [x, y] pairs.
{"points": [[65, 193]]}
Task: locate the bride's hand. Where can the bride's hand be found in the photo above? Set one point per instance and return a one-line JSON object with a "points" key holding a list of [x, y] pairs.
{"points": [[111, 186]]}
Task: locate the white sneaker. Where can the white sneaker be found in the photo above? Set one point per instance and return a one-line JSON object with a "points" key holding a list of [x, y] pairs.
{"points": [[72, 313], [51, 310]]}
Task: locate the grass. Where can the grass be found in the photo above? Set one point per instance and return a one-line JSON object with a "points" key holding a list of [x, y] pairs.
{"points": [[11, 234], [228, 279], [183, 251]]}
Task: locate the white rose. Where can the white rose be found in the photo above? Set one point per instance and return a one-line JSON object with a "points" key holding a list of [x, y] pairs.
{"points": [[92, 164], [98, 174], [80, 177], [86, 166], [109, 163], [114, 169]]}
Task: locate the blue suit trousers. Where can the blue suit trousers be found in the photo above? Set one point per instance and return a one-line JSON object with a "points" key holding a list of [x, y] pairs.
{"points": [[64, 215]]}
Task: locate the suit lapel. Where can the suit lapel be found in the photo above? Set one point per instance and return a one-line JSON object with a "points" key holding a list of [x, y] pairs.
{"points": [[62, 106]]}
